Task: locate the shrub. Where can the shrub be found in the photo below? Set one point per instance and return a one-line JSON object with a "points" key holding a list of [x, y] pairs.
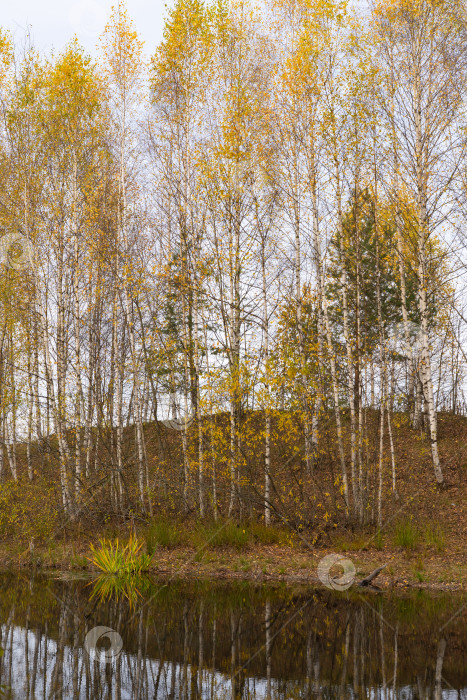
{"points": [[28, 510]]}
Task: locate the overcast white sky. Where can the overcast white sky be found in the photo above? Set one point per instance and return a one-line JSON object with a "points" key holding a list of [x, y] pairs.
{"points": [[54, 22]]}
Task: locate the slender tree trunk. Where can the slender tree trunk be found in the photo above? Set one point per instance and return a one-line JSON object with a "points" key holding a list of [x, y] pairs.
{"points": [[422, 239]]}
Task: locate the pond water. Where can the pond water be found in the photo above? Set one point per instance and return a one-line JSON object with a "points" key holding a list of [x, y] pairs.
{"points": [[206, 640]]}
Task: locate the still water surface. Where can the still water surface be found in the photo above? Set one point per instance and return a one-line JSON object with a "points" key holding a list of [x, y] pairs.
{"points": [[199, 640]]}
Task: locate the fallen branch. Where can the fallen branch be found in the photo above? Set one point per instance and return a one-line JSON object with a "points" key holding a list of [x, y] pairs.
{"points": [[367, 581]]}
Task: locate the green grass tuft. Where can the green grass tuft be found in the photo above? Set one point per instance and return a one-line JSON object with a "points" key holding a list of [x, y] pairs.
{"points": [[208, 534], [121, 560], [379, 540], [236, 535], [163, 533], [227, 534], [406, 535], [434, 537]]}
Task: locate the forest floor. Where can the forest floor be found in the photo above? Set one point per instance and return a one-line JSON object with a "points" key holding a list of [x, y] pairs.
{"points": [[422, 540], [422, 544]]}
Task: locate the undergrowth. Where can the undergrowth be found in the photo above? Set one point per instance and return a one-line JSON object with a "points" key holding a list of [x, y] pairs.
{"points": [[406, 535], [162, 532], [434, 537]]}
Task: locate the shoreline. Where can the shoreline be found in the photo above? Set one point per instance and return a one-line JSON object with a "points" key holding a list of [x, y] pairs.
{"points": [[261, 565]]}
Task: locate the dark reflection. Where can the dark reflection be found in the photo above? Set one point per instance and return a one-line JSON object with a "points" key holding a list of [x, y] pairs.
{"points": [[131, 588], [239, 641]]}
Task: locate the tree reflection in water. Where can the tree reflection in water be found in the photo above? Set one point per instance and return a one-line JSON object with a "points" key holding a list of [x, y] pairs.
{"points": [[237, 641]]}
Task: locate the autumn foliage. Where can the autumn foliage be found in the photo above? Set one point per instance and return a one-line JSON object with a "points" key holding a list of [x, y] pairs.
{"points": [[245, 259]]}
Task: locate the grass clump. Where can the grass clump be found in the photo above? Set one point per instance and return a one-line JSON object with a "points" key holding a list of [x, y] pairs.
{"points": [[406, 535], [208, 534], [79, 562], [268, 535], [121, 560], [379, 540], [163, 533], [228, 534], [434, 537], [236, 535], [353, 543]]}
